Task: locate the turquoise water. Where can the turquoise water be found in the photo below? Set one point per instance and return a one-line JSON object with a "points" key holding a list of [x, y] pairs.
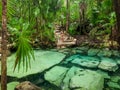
{"points": [[70, 69]]}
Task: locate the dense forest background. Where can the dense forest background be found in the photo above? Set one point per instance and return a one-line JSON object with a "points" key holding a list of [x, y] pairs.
{"points": [[31, 23], [36, 20]]}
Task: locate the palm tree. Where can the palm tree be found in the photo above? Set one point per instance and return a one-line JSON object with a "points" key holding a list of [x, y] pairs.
{"points": [[4, 46], [21, 30]]}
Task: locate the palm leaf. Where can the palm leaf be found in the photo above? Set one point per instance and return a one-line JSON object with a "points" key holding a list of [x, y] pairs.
{"points": [[24, 52]]}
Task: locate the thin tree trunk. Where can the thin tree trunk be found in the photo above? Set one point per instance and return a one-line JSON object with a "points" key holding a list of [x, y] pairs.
{"points": [[4, 46], [82, 7], [117, 11], [80, 17], [68, 15]]}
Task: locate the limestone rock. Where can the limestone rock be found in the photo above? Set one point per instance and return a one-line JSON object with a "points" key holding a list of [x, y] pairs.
{"points": [[56, 75], [27, 86], [114, 85], [114, 82], [43, 60], [93, 52], [104, 74], [115, 53], [75, 77], [105, 53], [90, 62], [115, 79], [72, 71], [87, 80], [118, 61], [108, 64], [71, 58], [80, 52], [83, 48]]}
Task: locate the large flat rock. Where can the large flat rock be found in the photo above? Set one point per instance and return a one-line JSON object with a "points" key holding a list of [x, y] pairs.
{"points": [[108, 64], [71, 73], [87, 80], [43, 60], [56, 75], [74, 78], [86, 61]]}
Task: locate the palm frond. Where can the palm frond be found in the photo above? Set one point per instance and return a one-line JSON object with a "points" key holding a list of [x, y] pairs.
{"points": [[24, 52]]}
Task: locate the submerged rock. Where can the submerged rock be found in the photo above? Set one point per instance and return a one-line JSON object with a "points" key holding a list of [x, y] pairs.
{"points": [[79, 52], [56, 75], [114, 85], [83, 48], [71, 58], [85, 61], [72, 71], [105, 53], [114, 82], [115, 53], [108, 64], [93, 52], [118, 61], [43, 60], [115, 79], [87, 80], [104, 74], [75, 78]]}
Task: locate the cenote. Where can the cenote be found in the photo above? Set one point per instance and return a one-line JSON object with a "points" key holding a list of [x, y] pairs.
{"points": [[60, 45], [79, 68]]}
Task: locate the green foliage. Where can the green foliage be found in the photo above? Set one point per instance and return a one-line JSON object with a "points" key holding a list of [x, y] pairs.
{"points": [[21, 33], [47, 33], [61, 14], [93, 32], [74, 11], [72, 29], [27, 17], [24, 51], [98, 12]]}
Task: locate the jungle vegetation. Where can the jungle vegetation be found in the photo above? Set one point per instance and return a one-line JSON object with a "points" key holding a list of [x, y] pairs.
{"points": [[28, 24]]}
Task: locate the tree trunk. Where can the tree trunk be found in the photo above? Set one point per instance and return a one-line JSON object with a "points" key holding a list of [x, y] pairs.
{"points": [[4, 46], [67, 15], [82, 7], [117, 11]]}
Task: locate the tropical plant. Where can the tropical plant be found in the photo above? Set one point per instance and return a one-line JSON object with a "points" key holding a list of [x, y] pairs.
{"points": [[19, 28], [24, 50]]}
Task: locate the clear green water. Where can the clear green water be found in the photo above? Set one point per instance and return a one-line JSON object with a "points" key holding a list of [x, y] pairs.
{"points": [[47, 59]]}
